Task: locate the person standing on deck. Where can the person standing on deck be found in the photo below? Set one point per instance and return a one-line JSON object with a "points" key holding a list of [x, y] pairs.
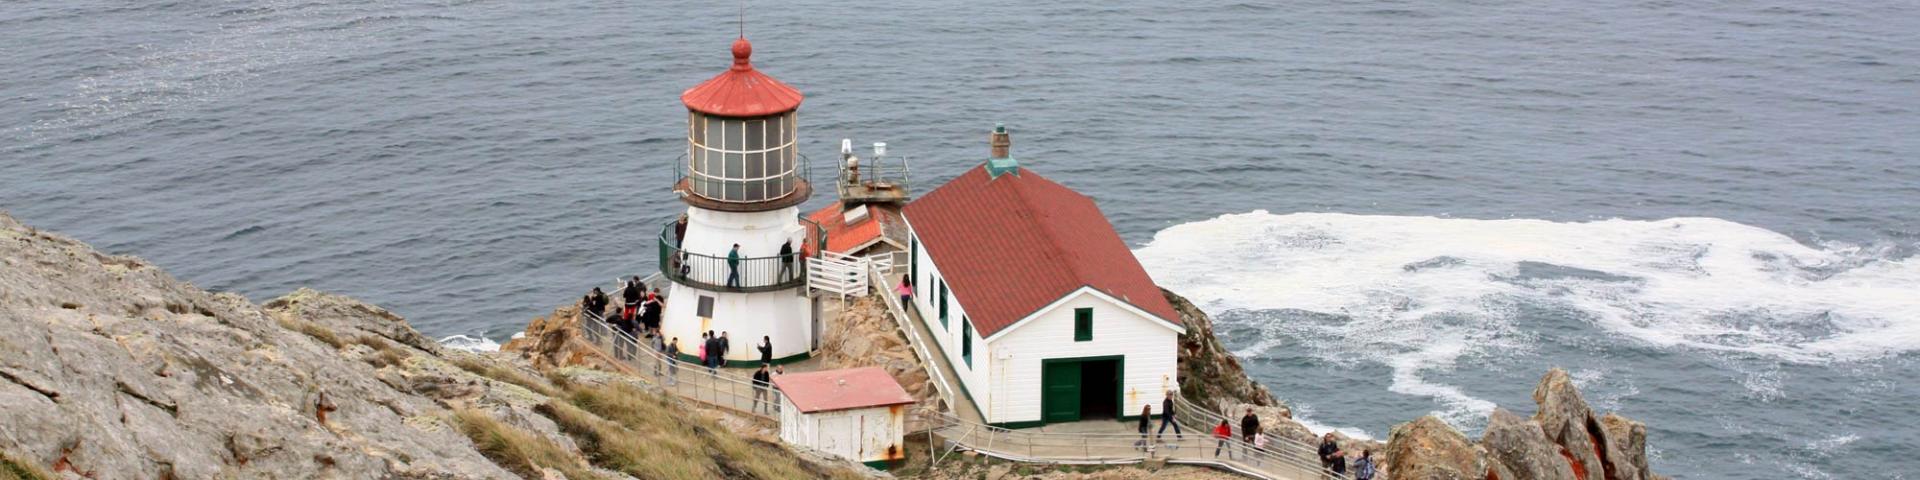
{"points": [[726, 345], [761, 379], [630, 300], [1249, 425], [905, 290], [1222, 432], [786, 260], [733, 267], [1146, 425], [1331, 458], [1363, 467], [1166, 417], [673, 361], [766, 350]]}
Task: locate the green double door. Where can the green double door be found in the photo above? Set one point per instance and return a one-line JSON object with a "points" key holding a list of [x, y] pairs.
{"points": [[1074, 388]]}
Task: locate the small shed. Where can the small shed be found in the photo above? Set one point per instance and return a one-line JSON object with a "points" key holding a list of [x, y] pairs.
{"points": [[856, 413]]}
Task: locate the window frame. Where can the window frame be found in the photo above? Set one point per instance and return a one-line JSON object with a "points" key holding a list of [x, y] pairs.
{"points": [[1083, 324]]}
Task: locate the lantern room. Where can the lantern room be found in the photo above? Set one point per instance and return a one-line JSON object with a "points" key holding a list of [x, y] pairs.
{"points": [[742, 152]]}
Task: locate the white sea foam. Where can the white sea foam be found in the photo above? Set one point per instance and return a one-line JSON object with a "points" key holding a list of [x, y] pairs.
{"points": [[471, 344], [1424, 295]]}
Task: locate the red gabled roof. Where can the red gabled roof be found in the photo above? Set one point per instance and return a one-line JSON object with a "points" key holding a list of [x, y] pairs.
{"points": [[843, 237], [1010, 245], [831, 390], [741, 91]]}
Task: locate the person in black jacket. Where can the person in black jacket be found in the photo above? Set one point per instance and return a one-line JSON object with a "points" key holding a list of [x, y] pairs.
{"points": [[766, 350], [786, 260], [761, 380], [1331, 458], [1249, 425], [725, 344], [1146, 425], [1166, 416]]}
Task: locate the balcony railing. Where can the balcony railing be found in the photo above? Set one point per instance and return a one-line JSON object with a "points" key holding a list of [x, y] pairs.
{"points": [[746, 274]]}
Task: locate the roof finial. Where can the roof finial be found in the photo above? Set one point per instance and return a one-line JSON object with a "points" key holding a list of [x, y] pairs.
{"points": [[743, 18]]}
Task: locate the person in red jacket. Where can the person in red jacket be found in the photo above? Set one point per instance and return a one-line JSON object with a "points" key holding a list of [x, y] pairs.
{"points": [[1222, 432]]}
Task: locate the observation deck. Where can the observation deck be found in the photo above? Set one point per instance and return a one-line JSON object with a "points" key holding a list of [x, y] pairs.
{"points": [[750, 274]]}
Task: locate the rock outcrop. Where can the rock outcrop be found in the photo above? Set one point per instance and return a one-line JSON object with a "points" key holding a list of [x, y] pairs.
{"points": [[1563, 440], [110, 368], [1209, 374], [865, 335]]}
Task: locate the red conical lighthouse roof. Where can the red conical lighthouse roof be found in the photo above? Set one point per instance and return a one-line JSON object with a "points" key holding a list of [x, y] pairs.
{"points": [[741, 91]]}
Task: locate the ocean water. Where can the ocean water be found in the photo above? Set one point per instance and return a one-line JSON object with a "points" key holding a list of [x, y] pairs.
{"points": [[1705, 210]]}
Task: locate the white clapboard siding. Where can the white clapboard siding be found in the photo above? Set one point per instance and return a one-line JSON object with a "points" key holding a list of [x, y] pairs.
{"points": [[1151, 348]]}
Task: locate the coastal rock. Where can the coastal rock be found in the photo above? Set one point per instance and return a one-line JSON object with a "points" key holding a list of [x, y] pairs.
{"points": [[555, 341], [1429, 449], [1566, 419], [1209, 374], [1629, 437], [110, 368], [1518, 446], [865, 335]]}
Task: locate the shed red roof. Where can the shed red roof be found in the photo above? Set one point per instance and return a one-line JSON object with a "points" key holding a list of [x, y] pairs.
{"points": [[843, 237], [741, 91], [1010, 245], [846, 389]]}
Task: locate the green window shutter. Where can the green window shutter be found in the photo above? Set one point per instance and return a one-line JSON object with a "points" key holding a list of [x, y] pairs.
{"points": [[1082, 324], [943, 303], [966, 341], [913, 263]]}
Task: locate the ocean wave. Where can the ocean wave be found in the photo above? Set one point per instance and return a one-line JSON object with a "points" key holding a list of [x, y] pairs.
{"points": [[1423, 295], [470, 343]]}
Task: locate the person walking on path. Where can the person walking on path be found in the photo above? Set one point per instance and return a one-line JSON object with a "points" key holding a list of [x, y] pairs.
{"points": [[1166, 417], [726, 345], [766, 350], [650, 320], [630, 302], [1363, 467], [673, 361], [704, 342], [712, 347], [1259, 443], [659, 345], [786, 260], [1249, 425], [1222, 433], [1146, 426], [905, 290], [761, 380], [1331, 458], [733, 267]]}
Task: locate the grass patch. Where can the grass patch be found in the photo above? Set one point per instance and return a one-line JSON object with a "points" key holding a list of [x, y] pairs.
{"points": [[615, 447], [696, 446], [504, 373], [323, 334], [519, 451], [14, 468], [385, 353]]}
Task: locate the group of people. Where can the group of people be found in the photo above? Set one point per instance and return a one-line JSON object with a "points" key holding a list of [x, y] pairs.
{"points": [[1333, 460], [640, 308]]}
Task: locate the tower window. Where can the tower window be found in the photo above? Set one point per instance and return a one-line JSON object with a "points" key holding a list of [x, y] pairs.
{"points": [[1083, 324], [943, 303]]}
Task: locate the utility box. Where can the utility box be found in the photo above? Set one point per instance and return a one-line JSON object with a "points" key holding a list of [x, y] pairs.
{"points": [[858, 414]]}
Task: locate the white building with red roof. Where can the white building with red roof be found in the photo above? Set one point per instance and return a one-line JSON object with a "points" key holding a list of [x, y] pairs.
{"points": [[1037, 303], [857, 413]]}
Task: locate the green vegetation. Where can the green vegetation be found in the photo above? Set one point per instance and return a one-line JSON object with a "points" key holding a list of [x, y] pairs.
{"points": [[518, 450], [314, 330], [14, 468], [505, 373], [643, 434]]}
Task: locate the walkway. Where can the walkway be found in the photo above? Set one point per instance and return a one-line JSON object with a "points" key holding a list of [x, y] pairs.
{"points": [[931, 354], [962, 427]]}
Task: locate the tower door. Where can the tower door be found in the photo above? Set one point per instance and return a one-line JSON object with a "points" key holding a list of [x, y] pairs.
{"points": [[1060, 392]]}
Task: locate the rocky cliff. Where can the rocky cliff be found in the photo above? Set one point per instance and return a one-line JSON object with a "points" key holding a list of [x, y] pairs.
{"points": [[110, 368], [1563, 440]]}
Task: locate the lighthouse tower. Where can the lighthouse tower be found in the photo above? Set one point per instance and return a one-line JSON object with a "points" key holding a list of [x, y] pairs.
{"points": [[736, 260]]}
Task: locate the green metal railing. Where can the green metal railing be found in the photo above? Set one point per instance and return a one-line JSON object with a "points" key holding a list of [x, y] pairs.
{"points": [[743, 274]]}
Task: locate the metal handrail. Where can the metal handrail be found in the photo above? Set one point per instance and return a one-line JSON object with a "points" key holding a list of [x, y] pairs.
{"points": [[716, 388], [744, 274], [919, 344], [878, 172]]}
